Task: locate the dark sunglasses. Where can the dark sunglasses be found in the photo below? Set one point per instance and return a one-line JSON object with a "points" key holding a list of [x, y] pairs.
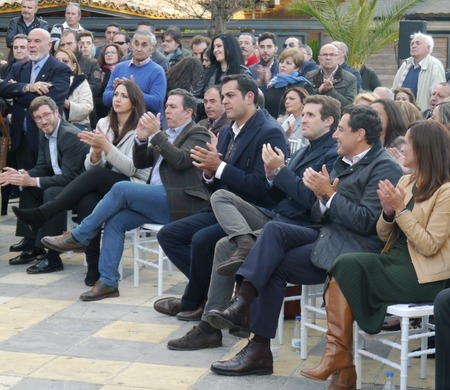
{"points": [[120, 42], [290, 44]]}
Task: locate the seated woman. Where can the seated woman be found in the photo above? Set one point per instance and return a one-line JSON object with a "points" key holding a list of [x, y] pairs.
{"points": [[79, 104], [290, 63], [109, 161], [415, 263], [293, 101]]}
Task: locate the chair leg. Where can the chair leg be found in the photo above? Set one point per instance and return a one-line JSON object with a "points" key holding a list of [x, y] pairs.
{"points": [[160, 270], [136, 256]]}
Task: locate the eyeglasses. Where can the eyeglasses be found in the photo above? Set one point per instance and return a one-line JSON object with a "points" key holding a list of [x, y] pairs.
{"points": [[329, 55], [64, 60], [40, 118], [120, 42], [110, 52], [290, 44]]}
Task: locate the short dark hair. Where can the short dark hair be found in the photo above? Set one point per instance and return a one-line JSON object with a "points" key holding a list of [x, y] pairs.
{"points": [[125, 36], [245, 84], [175, 33], [217, 87], [250, 35], [147, 23], [40, 101], [189, 101], [267, 35], [84, 33], [116, 25], [364, 117], [330, 107], [196, 40]]}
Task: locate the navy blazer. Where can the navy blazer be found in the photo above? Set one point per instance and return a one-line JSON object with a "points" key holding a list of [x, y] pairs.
{"points": [[244, 173], [54, 72], [71, 154]]}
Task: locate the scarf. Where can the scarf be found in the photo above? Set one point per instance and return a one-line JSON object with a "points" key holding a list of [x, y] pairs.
{"points": [[283, 79]]}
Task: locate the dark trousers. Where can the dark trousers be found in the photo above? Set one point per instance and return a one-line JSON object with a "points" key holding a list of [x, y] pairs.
{"points": [[281, 255], [189, 243], [82, 194], [442, 323]]}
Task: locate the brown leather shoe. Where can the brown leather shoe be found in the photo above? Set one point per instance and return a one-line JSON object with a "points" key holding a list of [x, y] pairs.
{"points": [[236, 315], [254, 359], [169, 306], [100, 291], [244, 244], [196, 339], [63, 243]]}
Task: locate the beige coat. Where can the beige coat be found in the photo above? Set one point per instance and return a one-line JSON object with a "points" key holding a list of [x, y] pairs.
{"points": [[427, 229]]}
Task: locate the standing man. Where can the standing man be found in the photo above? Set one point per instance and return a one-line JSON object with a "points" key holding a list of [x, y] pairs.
{"points": [[123, 40], [198, 45], [348, 209], [267, 67], [19, 51], [111, 30], [172, 45], [236, 165], [60, 160], [143, 71], [216, 117], [247, 43], [72, 22], [85, 43], [26, 22], [330, 79], [309, 64], [343, 54], [420, 72], [41, 75]]}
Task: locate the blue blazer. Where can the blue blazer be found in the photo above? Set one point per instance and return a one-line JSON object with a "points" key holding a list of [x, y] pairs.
{"points": [[53, 72]]}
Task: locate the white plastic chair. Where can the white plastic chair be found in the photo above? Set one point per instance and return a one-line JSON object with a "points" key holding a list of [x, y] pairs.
{"points": [[142, 245], [281, 316]]}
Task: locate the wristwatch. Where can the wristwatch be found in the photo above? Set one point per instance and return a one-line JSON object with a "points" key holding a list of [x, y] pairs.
{"points": [[276, 171]]}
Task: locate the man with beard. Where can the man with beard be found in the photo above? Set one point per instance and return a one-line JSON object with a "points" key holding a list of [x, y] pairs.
{"points": [[267, 67]]}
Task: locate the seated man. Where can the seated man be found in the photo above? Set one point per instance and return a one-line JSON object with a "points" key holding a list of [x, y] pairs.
{"points": [[60, 159], [235, 165], [175, 190], [348, 208], [216, 117], [240, 219]]}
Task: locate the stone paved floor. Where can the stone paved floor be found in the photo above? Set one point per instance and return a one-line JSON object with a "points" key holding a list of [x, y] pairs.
{"points": [[51, 340]]}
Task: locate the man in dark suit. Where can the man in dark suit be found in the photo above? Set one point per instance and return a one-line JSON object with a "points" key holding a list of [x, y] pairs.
{"points": [[60, 160], [41, 75], [236, 165], [175, 190], [347, 208], [242, 221]]}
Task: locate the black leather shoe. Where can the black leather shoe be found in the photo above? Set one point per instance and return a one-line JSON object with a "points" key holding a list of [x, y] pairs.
{"points": [[21, 245], [254, 359], [168, 306], [236, 315], [44, 266], [27, 256], [196, 339], [31, 217]]}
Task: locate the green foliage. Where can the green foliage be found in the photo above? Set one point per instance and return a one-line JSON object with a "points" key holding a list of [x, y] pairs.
{"points": [[355, 23]]}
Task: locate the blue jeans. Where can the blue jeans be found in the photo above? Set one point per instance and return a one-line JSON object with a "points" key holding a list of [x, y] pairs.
{"points": [[125, 207]]}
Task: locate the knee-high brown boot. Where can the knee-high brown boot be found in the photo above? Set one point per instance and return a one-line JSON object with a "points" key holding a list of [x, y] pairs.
{"points": [[338, 350]]}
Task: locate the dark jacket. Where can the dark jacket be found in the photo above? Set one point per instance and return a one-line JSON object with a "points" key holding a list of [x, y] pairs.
{"points": [[244, 173], [216, 126], [53, 72], [295, 199], [18, 26], [186, 192], [71, 155], [308, 66], [370, 80], [349, 225]]}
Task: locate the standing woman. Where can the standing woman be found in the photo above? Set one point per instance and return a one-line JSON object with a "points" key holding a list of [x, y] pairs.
{"points": [[226, 59], [108, 58], [290, 63], [80, 103], [109, 161], [414, 265]]}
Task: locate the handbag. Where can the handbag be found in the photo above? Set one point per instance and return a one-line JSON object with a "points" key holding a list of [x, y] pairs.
{"points": [[5, 141]]}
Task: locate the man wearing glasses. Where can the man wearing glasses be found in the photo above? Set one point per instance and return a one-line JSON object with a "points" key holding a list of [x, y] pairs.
{"points": [[330, 79], [60, 160]]}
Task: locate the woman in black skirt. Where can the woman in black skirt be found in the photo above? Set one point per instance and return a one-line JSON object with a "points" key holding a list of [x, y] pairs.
{"points": [[413, 267]]}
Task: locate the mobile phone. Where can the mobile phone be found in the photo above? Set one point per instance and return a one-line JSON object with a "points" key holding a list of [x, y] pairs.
{"points": [[289, 121]]}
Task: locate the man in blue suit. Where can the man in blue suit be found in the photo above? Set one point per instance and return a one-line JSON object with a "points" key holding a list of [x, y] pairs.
{"points": [[42, 75], [235, 165]]}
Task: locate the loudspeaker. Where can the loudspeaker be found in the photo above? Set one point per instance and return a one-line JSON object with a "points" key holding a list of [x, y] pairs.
{"points": [[408, 28]]}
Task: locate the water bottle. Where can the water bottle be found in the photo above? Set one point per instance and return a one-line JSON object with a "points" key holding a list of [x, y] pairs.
{"points": [[275, 347], [296, 338], [389, 385]]}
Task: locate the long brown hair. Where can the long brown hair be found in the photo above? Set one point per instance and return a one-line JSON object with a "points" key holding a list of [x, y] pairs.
{"points": [[137, 100], [431, 147]]}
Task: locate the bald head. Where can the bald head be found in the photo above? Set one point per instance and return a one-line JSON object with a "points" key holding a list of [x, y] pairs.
{"points": [[39, 44]]}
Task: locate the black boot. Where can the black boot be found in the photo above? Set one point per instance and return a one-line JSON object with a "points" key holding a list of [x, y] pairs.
{"points": [[244, 244]]}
